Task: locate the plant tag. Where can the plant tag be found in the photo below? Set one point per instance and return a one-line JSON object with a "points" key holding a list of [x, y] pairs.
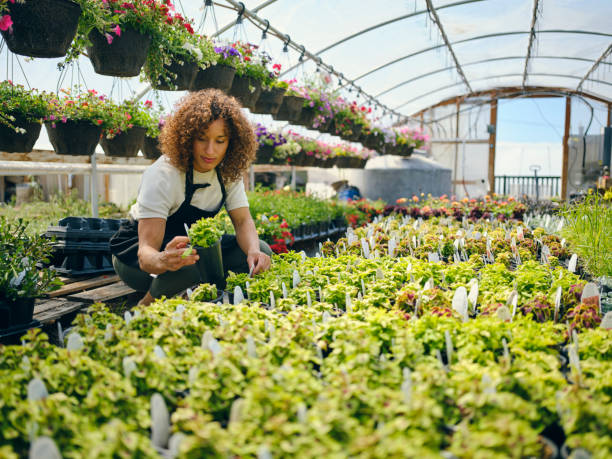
{"points": [[607, 321], [159, 352], [108, 333], [514, 304], [545, 254], [433, 257], [302, 412], [236, 410], [127, 316], [574, 359], [365, 248], [37, 390], [571, 267], [503, 314], [128, 366], [174, 443], [519, 233], [320, 247], [75, 342], [247, 286], [590, 291], [337, 251], [449, 347], [320, 294], [460, 302], [44, 448], [439, 357], [473, 295], [409, 268], [137, 313], [349, 304], [506, 350], [308, 299], [214, 347], [560, 225], [303, 255], [225, 298], [429, 284], [487, 384], [563, 243], [557, 303], [379, 274], [160, 421], [326, 317], [25, 363], [284, 287], [189, 293], [206, 337], [238, 295], [391, 247], [414, 242], [375, 254], [407, 385], [263, 452], [272, 300], [251, 348]]}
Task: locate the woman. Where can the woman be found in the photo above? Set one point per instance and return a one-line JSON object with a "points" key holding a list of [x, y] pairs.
{"points": [[207, 144]]}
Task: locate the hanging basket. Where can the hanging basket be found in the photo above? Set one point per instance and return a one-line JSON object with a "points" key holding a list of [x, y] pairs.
{"points": [[180, 77], [126, 144], [269, 101], [290, 109], [150, 148], [74, 137], [307, 116], [374, 142], [124, 57], [345, 162], [42, 28], [264, 154], [15, 142], [355, 134], [404, 150], [215, 77], [14, 313], [246, 90]]}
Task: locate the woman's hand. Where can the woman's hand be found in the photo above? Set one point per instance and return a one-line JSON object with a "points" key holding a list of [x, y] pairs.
{"points": [[259, 261], [172, 256]]}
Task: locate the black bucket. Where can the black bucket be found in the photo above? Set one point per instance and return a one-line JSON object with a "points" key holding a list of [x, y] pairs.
{"points": [[73, 137], [124, 57], [126, 144], [210, 264]]}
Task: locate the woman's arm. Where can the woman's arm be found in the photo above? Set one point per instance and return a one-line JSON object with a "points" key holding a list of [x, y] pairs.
{"points": [[247, 238], [150, 238]]}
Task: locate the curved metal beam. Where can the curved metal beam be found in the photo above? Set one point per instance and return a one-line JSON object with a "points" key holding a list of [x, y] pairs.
{"points": [[466, 40], [495, 76], [532, 37], [605, 54], [482, 61], [379, 25]]}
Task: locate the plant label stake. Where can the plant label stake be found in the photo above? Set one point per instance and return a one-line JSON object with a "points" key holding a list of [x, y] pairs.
{"points": [[574, 359], [326, 317], [159, 352], [571, 267], [238, 295], [320, 294], [557, 303], [379, 274], [473, 295], [487, 384], [160, 421], [284, 290], [251, 348], [506, 350], [449, 347], [433, 257], [308, 299], [108, 332], [206, 337], [247, 286], [365, 248], [302, 413], [37, 390], [607, 321], [429, 284], [225, 298], [44, 448], [545, 254], [75, 342], [128, 366], [503, 314], [272, 300], [349, 304], [189, 293], [214, 347], [263, 452], [363, 288], [590, 294], [519, 233], [514, 304], [407, 385], [460, 302]]}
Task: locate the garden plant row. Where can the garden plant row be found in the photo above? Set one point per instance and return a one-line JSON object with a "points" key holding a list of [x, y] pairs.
{"points": [[367, 350]]}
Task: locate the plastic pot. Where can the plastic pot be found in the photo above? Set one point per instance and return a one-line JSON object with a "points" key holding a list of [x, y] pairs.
{"points": [[210, 264], [290, 109], [150, 148], [18, 312], [269, 101], [124, 57], [180, 78], [404, 150], [42, 28], [73, 137], [307, 116], [125, 144], [216, 77], [264, 154], [246, 90], [344, 162], [16, 142]]}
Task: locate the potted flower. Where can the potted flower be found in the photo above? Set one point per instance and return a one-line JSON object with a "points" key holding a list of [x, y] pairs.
{"points": [[267, 141], [286, 152], [250, 72], [125, 129], [220, 74], [21, 114], [291, 108], [75, 121], [205, 237], [117, 35], [154, 123], [21, 279], [272, 91], [39, 28]]}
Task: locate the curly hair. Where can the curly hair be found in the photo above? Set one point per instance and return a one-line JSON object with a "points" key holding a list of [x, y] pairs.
{"points": [[192, 115]]}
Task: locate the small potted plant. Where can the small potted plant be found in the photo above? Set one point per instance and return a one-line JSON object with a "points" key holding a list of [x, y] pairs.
{"points": [[286, 152], [75, 121], [39, 28], [250, 73], [154, 123], [205, 237], [267, 141], [205, 292], [125, 129], [293, 102], [220, 74], [272, 92], [21, 114]]}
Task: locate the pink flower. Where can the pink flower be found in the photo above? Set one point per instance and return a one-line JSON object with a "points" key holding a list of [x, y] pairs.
{"points": [[117, 30], [6, 23], [109, 38], [64, 119]]}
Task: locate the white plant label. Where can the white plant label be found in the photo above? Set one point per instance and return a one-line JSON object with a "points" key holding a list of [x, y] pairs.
{"points": [[127, 316], [571, 267], [574, 359], [214, 347], [44, 448], [189, 293], [225, 298], [308, 299], [590, 291], [460, 302], [429, 284], [326, 317], [206, 337], [363, 288], [473, 295], [160, 421], [75, 342], [449, 347], [272, 300], [159, 352], [563, 242], [557, 303], [37, 390], [433, 257], [128, 366], [409, 268], [284, 287], [519, 233], [365, 248], [487, 384], [391, 247], [503, 313], [320, 247], [506, 350], [560, 226], [414, 242], [174, 443], [108, 333], [296, 278], [137, 313], [337, 251], [379, 274], [303, 255], [514, 304], [349, 304], [320, 294], [407, 385], [302, 413], [247, 286], [236, 410], [238, 295], [607, 321], [251, 348], [263, 452]]}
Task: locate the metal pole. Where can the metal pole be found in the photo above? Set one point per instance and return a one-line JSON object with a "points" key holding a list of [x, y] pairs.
{"points": [[94, 187], [293, 178]]}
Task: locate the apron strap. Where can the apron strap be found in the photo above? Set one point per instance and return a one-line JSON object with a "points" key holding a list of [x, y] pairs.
{"points": [[190, 188]]}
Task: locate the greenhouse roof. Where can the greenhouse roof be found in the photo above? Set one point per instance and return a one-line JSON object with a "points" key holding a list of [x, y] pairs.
{"points": [[413, 54]]}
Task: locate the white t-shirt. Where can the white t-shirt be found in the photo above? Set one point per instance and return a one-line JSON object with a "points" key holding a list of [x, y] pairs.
{"points": [[162, 191]]}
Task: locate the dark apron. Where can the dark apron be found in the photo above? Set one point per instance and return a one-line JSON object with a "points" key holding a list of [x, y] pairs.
{"points": [[124, 243]]}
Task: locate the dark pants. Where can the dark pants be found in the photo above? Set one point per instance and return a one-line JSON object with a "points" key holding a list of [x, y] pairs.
{"points": [[172, 282]]}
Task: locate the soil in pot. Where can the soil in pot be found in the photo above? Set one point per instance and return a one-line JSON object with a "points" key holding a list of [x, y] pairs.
{"points": [[269, 101], [16, 142], [290, 109], [73, 137], [181, 76], [42, 28], [124, 57], [216, 77], [126, 144], [150, 148], [246, 90], [264, 154]]}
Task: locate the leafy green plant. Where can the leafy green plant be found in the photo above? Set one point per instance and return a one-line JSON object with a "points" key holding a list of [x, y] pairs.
{"points": [[204, 292], [206, 231], [15, 100]]}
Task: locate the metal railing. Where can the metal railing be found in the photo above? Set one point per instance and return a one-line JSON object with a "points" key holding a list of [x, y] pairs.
{"points": [[531, 185]]}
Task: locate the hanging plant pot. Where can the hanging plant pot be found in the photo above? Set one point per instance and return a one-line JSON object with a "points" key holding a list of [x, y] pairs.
{"points": [[124, 57], [374, 142], [309, 160], [355, 135], [17, 142], [404, 150], [264, 154], [42, 28], [74, 137], [246, 90], [150, 148], [210, 264], [307, 116], [290, 109], [269, 101], [181, 76], [215, 77], [14, 313], [126, 144]]}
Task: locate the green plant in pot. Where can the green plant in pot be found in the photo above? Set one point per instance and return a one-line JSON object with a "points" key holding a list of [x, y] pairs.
{"points": [[272, 91], [205, 237], [153, 123], [125, 129], [21, 114], [22, 280], [251, 71], [220, 74], [293, 102], [75, 121]]}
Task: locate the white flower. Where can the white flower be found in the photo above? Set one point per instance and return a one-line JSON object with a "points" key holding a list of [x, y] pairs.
{"points": [[16, 281]]}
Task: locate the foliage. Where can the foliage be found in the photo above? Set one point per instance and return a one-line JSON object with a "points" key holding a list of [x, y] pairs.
{"points": [[15, 100], [206, 231], [78, 105], [204, 292]]}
